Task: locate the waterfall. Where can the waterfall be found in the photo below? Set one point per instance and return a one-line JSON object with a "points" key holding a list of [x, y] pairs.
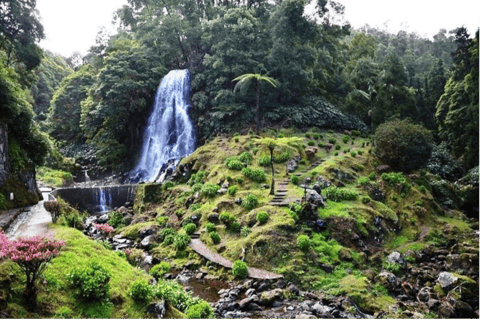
{"points": [[169, 134], [87, 177], [104, 200]]}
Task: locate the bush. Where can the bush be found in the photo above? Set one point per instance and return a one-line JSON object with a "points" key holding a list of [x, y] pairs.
{"points": [[363, 180], [311, 143], [245, 157], [168, 185], [263, 161], [356, 133], [160, 269], [181, 241], [190, 228], [345, 138], [116, 220], [403, 145], [234, 163], [209, 190], [422, 189], [308, 135], [90, 282], [394, 177], [234, 226], [227, 218], [245, 231], [366, 199], [202, 310], [338, 147], [210, 227], [256, 175], [442, 163], [360, 152], [338, 194], [282, 158], [262, 217], [134, 256], [166, 232], [250, 202], [232, 190], [140, 290], [316, 136], [372, 176], [240, 269], [303, 242], [214, 236], [295, 180], [255, 150], [198, 177], [239, 180], [332, 140], [335, 154], [353, 154]]}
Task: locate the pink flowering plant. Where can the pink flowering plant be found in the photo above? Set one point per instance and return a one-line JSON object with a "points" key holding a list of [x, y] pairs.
{"points": [[32, 255], [105, 228]]}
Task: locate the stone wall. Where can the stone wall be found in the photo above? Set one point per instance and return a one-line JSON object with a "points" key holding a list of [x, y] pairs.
{"points": [[4, 166]]}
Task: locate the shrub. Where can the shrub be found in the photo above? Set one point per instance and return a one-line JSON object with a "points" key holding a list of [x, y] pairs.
{"points": [[90, 282], [335, 154], [295, 180], [234, 164], [169, 239], [256, 175], [363, 180], [332, 140], [282, 158], [353, 154], [345, 138], [316, 136], [372, 176], [202, 310], [160, 269], [234, 226], [116, 220], [403, 145], [442, 163], [140, 290], [209, 190], [168, 185], [308, 135], [134, 256], [338, 194], [394, 177], [181, 241], [311, 143], [280, 136], [366, 199], [255, 150], [245, 157], [422, 189], [356, 133], [321, 144], [239, 180], [166, 232], [262, 217], [338, 147], [232, 190], [227, 218], [303, 242], [263, 161], [190, 228], [245, 231], [63, 313], [250, 202], [197, 187], [214, 236], [198, 177], [360, 152], [210, 227], [240, 269]]}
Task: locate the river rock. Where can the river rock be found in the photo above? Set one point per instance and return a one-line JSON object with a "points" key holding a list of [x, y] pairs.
{"points": [[157, 309], [315, 198], [147, 231], [395, 257], [293, 289], [292, 165], [250, 292], [243, 304], [447, 280], [147, 241], [102, 219], [321, 310], [268, 297], [213, 217], [222, 191], [388, 279]]}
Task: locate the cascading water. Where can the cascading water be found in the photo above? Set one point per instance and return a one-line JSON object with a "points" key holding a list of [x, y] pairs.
{"points": [[104, 200], [169, 134]]}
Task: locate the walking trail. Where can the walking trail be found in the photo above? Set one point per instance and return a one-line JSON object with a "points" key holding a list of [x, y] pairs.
{"points": [[200, 248]]}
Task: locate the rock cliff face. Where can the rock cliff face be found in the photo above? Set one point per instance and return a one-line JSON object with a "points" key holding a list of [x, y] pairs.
{"points": [[4, 167], [21, 183]]}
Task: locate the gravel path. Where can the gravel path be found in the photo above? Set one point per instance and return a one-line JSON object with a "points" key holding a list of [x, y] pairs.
{"points": [[200, 248]]}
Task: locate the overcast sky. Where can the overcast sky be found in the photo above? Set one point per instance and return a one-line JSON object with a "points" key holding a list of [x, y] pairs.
{"points": [[72, 25]]}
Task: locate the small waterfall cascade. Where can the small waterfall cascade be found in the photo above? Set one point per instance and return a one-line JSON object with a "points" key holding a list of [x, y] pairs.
{"points": [[104, 200], [169, 134], [87, 177]]}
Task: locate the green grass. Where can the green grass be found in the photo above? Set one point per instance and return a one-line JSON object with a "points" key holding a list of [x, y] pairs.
{"points": [[337, 209], [54, 178]]}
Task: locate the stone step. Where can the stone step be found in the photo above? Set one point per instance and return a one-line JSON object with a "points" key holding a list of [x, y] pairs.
{"points": [[195, 235], [279, 204]]}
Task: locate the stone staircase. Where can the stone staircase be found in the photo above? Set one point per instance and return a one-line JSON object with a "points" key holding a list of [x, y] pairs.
{"points": [[313, 165]]}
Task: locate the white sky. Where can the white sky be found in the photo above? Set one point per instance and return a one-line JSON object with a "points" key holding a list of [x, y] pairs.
{"points": [[72, 25]]}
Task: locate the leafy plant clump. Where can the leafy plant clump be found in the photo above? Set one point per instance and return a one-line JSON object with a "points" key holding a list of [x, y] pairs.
{"points": [[209, 190], [264, 161], [240, 269], [295, 180], [202, 310], [233, 163], [403, 145], [190, 228], [303, 242], [256, 175], [116, 220], [210, 227], [214, 236], [250, 202], [338, 194], [262, 217], [159, 270], [140, 290], [232, 190], [90, 282], [181, 241]]}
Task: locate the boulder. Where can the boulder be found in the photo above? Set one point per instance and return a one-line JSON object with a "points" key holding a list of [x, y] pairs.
{"points": [[157, 309], [293, 289], [388, 280], [383, 168], [147, 241], [315, 198], [102, 219], [268, 297], [395, 257], [447, 280], [213, 217], [322, 311]]}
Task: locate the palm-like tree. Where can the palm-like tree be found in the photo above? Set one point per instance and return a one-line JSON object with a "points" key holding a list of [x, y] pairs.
{"points": [[271, 144], [244, 82]]}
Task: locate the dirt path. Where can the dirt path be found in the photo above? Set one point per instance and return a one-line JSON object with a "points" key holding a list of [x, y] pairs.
{"points": [[200, 248]]}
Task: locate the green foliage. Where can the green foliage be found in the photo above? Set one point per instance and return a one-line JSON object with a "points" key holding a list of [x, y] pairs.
{"points": [[210, 227], [227, 218], [140, 290], [197, 187], [168, 185], [209, 190], [392, 267], [90, 282], [338, 147], [255, 150], [363, 180], [262, 217], [190, 228], [263, 161], [174, 293], [181, 241], [214, 236], [345, 138], [239, 180], [356, 133], [54, 178], [332, 141], [338, 194], [3, 202], [232, 190], [316, 136], [353, 154], [443, 164], [366, 199], [197, 178], [403, 145], [246, 157], [240, 269], [202, 310], [372, 176], [295, 179], [360, 152], [159, 270], [311, 143], [256, 175], [245, 231], [234, 163], [166, 232], [303, 242], [249, 202], [116, 220]]}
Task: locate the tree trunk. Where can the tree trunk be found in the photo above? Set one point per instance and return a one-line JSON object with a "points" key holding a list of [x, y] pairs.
{"points": [[257, 106], [272, 187]]}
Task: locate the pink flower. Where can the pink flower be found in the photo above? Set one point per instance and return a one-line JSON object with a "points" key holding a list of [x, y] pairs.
{"points": [[104, 228]]}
